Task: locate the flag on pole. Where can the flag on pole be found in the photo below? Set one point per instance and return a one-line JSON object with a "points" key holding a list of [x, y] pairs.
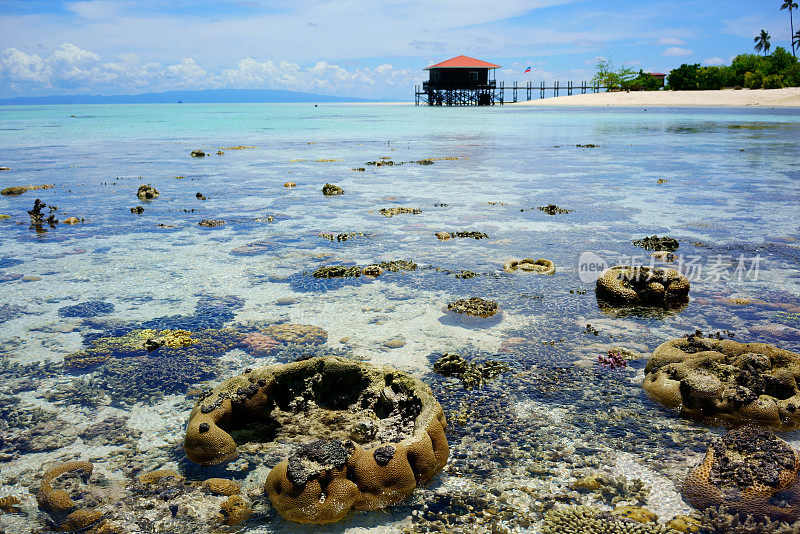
{"points": [[527, 70]]}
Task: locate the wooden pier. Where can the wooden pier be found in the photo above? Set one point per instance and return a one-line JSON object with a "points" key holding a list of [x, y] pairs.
{"points": [[492, 93]]}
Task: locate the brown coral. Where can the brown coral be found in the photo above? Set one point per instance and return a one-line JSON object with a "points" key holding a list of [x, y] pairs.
{"points": [[540, 266], [235, 510], [657, 286], [297, 333], [720, 378], [751, 472], [66, 512], [397, 424], [222, 486]]}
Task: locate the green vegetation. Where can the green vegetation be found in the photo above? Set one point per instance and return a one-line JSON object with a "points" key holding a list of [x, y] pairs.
{"points": [[623, 78], [762, 42], [777, 70]]}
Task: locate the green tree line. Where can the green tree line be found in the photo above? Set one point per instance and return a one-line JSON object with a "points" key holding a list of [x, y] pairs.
{"points": [[774, 71]]}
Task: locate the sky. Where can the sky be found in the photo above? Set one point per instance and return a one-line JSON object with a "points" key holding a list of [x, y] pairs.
{"points": [[372, 49]]}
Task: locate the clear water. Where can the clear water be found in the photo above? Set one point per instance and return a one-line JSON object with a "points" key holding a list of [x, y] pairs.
{"points": [[731, 192]]}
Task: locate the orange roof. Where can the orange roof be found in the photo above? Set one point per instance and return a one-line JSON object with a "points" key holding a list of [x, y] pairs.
{"points": [[463, 62]]}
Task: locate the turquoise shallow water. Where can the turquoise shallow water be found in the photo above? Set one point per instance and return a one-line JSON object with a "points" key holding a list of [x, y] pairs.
{"points": [[729, 194]]}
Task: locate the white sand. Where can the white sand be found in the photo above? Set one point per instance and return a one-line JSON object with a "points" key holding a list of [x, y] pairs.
{"points": [[788, 97]]}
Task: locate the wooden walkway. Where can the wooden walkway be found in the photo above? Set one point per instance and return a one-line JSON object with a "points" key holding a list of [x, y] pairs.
{"points": [[496, 93]]}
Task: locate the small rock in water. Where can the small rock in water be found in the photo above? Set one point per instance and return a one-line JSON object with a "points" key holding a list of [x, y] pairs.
{"points": [[198, 154], [137, 209], [290, 184], [331, 190], [395, 343]]}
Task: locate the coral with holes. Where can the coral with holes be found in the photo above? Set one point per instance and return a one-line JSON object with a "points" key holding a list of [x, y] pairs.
{"points": [[378, 433], [736, 383], [540, 266], [748, 471], [717, 519], [657, 286], [67, 497]]}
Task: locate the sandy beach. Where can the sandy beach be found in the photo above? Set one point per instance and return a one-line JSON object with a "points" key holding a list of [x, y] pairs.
{"points": [[788, 97]]}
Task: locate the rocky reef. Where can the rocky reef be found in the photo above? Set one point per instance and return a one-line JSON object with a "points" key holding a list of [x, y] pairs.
{"points": [[474, 306], [623, 286], [332, 190], [391, 212], [750, 472], [147, 192], [723, 380], [655, 243], [378, 433]]}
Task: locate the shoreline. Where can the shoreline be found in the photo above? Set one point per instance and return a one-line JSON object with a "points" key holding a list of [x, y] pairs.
{"points": [[788, 97]]}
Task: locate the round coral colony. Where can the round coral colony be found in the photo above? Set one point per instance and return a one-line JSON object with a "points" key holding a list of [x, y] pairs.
{"points": [[367, 434]]}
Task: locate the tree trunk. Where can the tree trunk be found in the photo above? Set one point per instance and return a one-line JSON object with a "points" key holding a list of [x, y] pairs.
{"points": [[791, 25]]}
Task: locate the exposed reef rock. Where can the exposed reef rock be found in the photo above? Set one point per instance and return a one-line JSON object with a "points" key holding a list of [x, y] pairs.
{"points": [[13, 190], [656, 243], [378, 433], [642, 286], [474, 306], [472, 375], [736, 383], [540, 266], [147, 192], [391, 212], [337, 271], [750, 472], [552, 209], [198, 154], [211, 223], [395, 266], [331, 190]]}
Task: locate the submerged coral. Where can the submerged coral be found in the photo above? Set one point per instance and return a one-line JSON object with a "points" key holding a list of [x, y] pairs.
{"points": [[472, 375], [391, 212], [588, 520], [87, 309]]}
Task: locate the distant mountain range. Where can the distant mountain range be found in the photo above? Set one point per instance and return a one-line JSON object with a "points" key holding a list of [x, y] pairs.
{"points": [[208, 96]]}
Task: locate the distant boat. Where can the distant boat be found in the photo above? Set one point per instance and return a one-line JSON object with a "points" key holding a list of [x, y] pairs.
{"points": [[180, 101]]}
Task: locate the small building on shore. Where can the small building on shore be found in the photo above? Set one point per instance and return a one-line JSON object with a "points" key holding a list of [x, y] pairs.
{"points": [[460, 81], [660, 76]]}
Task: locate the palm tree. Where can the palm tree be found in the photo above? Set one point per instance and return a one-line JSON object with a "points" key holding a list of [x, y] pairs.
{"points": [[762, 42], [796, 39], [790, 4]]}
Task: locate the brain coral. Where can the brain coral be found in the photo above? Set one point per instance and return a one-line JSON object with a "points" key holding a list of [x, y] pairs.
{"points": [[724, 379], [374, 432], [748, 471], [68, 509], [657, 286]]}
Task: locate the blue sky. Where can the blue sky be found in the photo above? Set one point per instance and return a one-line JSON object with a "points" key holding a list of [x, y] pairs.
{"points": [[370, 48]]}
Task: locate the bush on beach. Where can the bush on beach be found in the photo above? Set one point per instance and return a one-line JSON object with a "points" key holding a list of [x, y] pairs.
{"points": [[777, 70]]}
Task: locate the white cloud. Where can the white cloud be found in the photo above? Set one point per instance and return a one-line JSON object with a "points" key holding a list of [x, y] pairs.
{"points": [[674, 51], [713, 61], [671, 41], [70, 69]]}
